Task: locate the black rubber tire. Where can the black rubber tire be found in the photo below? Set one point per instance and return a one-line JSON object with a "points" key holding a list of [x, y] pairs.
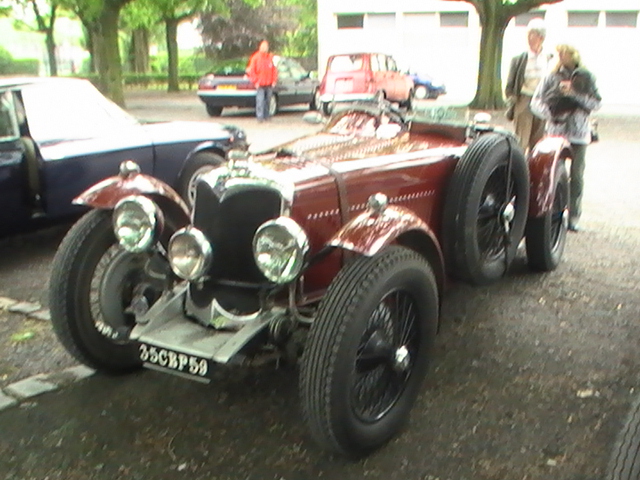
{"points": [[327, 108], [545, 236], [625, 457], [315, 101], [474, 241], [274, 105], [69, 296], [328, 372], [408, 104], [213, 111], [196, 165]]}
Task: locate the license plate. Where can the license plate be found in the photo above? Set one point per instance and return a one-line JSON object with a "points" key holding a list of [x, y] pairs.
{"points": [[226, 87], [174, 362]]}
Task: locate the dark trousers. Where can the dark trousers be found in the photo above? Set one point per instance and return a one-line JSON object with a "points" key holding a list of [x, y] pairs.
{"points": [[263, 99], [576, 187]]}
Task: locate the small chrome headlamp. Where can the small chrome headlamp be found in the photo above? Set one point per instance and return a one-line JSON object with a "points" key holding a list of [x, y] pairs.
{"points": [[279, 249], [136, 223], [190, 253]]}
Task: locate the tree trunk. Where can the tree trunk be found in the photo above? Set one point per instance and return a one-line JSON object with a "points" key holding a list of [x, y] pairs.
{"points": [[172, 50], [90, 42], [108, 52], [489, 91], [139, 51], [51, 52], [46, 26]]}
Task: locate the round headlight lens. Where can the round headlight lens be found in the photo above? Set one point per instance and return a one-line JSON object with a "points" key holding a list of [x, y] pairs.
{"points": [[190, 253], [279, 248], [135, 223]]}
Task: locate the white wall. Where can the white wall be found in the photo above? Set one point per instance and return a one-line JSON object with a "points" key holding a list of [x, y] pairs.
{"points": [[410, 31]]}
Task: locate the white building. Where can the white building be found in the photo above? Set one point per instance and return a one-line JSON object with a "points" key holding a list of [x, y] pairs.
{"points": [[443, 37]]}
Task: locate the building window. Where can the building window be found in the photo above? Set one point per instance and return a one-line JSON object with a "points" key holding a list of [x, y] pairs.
{"points": [[583, 19], [351, 21], [454, 19], [383, 21], [622, 19], [523, 19]]}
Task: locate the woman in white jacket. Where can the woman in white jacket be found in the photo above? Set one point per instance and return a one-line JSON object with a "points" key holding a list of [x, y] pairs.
{"points": [[565, 98]]}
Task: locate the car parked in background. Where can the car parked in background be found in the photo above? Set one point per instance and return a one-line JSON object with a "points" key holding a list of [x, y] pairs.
{"points": [[362, 77], [425, 86], [224, 89], [336, 246], [58, 136]]}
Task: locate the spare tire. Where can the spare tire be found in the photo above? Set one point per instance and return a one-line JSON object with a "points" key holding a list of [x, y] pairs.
{"points": [[485, 209]]}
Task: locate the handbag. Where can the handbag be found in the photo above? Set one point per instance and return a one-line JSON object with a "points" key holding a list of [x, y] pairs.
{"points": [[511, 110]]}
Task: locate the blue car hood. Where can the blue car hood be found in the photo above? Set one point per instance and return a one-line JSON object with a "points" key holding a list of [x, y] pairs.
{"points": [[171, 132]]}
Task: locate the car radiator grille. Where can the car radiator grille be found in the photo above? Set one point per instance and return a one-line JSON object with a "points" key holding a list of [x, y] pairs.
{"points": [[230, 224]]}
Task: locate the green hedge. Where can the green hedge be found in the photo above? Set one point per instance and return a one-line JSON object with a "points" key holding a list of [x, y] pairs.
{"points": [[150, 81], [12, 66]]}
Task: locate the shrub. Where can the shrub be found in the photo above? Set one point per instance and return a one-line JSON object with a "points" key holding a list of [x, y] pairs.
{"points": [[11, 66]]}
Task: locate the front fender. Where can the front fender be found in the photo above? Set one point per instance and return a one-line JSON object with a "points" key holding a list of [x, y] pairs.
{"points": [[370, 232], [543, 160], [107, 193]]}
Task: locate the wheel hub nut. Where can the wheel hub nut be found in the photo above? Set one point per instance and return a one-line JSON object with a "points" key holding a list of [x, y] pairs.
{"points": [[401, 360], [509, 212]]}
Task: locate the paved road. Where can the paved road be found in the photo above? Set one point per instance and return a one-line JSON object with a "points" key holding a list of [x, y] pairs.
{"points": [[531, 377]]}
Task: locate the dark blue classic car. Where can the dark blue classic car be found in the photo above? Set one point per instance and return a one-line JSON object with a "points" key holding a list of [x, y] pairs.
{"points": [[60, 136]]}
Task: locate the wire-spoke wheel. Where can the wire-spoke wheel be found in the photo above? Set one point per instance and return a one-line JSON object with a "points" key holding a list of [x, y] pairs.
{"points": [[367, 350], [546, 236], [385, 356], [93, 282], [486, 209], [624, 463]]}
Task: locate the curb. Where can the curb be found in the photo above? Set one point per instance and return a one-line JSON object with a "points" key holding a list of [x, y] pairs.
{"points": [[22, 390]]}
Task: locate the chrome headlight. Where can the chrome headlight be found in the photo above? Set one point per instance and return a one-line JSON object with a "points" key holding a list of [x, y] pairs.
{"points": [[279, 248], [190, 253], [136, 223]]}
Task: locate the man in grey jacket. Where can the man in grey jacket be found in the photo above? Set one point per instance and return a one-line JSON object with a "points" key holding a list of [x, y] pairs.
{"points": [[525, 72]]}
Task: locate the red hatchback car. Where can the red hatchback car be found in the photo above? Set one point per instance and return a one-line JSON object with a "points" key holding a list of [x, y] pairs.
{"points": [[363, 76]]}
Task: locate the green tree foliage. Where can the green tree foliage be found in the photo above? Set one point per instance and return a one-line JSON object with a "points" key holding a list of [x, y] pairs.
{"points": [[301, 40], [289, 25], [140, 22], [45, 14], [494, 18], [171, 13]]}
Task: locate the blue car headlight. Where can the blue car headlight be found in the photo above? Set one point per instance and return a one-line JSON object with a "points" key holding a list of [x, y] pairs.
{"points": [[136, 223]]}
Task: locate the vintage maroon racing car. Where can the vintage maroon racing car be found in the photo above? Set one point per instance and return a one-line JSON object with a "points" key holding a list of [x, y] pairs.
{"points": [[335, 247]]}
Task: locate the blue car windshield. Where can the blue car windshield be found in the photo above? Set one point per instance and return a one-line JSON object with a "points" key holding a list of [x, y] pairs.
{"points": [[70, 111]]}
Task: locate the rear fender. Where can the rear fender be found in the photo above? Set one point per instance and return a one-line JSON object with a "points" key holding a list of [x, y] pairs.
{"points": [[543, 160], [371, 231], [107, 193]]}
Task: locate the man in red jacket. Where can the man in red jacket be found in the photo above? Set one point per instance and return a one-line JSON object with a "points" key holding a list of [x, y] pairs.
{"points": [[263, 74]]}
